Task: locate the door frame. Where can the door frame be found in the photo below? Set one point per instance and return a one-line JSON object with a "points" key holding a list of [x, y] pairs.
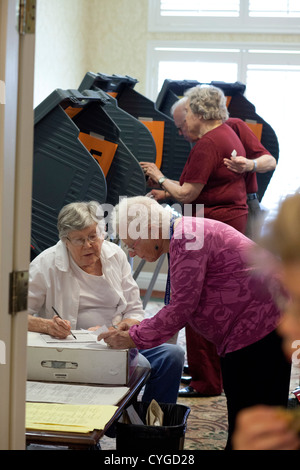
{"points": [[16, 154]]}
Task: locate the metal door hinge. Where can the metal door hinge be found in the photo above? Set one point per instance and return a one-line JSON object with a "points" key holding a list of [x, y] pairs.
{"points": [[26, 16], [18, 291]]}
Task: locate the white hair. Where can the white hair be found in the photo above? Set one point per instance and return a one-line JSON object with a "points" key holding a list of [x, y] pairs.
{"points": [[178, 103], [133, 217], [78, 216]]}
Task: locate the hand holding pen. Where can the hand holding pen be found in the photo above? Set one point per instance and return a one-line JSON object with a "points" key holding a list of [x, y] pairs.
{"points": [[58, 315]]}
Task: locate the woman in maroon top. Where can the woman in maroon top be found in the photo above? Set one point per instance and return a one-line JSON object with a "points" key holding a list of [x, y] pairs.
{"points": [[205, 179]]}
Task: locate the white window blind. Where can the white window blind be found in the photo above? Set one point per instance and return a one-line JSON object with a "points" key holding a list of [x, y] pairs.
{"points": [[276, 8], [200, 8], [276, 16]]}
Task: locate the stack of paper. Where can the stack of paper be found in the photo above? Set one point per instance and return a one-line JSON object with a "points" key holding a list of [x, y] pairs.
{"points": [[71, 394], [67, 418], [70, 408]]}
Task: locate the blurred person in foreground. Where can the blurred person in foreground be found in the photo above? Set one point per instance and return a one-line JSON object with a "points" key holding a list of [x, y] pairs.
{"points": [[262, 427]]}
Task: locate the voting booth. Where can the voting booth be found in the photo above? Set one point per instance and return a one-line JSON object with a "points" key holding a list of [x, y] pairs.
{"points": [[79, 155], [171, 148], [138, 135]]}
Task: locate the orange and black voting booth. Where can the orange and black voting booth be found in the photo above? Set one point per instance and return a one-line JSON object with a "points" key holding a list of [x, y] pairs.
{"points": [[88, 144], [79, 154], [171, 148]]}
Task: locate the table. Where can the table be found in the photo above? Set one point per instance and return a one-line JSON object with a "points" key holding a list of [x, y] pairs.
{"points": [[77, 441]]}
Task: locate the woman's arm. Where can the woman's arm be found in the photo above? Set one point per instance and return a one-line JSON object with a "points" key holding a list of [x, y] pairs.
{"points": [[188, 270], [238, 164], [184, 194], [54, 327]]}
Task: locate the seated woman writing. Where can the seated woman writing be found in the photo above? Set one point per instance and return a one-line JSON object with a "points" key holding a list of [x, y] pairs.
{"points": [[88, 280]]}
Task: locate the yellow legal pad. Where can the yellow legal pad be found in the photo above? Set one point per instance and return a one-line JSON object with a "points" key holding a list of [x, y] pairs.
{"points": [[67, 418]]}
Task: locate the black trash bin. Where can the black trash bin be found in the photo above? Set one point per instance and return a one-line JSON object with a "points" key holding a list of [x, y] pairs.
{"points": [[166, 438]]}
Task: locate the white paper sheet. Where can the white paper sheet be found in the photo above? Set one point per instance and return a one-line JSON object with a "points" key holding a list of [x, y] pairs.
{"points": [[82, 337], [45, 392]]}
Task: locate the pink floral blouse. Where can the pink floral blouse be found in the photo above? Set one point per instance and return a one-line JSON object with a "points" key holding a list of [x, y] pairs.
{"points": [[214, 289]]}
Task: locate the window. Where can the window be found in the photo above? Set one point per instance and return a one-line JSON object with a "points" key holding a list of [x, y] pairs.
{"points": [[274, 91], [271, 75], [199, 8], [276, 8], [278, 16]]}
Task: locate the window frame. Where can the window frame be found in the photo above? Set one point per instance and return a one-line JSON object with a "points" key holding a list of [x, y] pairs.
{"points": [[245, 54], [264, 54], [242, 24]]}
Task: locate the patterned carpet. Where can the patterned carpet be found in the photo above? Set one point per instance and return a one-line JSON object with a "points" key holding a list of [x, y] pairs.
{"points": [[207, 422]]}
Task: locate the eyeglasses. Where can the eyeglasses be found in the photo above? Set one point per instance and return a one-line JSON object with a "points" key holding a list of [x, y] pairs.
{"points": [[81, 241]]}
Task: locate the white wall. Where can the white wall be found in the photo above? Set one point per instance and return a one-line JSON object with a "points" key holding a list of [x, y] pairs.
{"points": [[77, 36], [61, 42]]}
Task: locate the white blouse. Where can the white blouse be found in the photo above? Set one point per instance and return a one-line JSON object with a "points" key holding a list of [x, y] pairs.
{"points": [[98, 301], [52, 282]]}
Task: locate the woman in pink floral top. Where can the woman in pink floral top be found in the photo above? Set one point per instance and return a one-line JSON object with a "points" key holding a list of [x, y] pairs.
{"points": [[217, 292]]}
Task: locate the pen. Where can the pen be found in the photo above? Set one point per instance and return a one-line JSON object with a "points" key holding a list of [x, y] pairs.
{"points": [[56, 312]]}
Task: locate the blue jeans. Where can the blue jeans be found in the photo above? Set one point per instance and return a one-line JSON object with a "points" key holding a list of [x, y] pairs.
{"points": [[166, 363]]}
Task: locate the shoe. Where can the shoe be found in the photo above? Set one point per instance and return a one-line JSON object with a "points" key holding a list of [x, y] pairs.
{"points": [[190, 392], [186, 370], [186, 379]]}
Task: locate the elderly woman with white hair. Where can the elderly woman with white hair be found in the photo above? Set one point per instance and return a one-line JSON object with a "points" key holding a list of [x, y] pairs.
{"points": [[214, 289], [211, 189], [88, 280], [205, 180]]}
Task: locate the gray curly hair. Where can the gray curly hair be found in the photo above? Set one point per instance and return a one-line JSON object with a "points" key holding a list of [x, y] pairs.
{"points": [[80, 215], [208, 101]]}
